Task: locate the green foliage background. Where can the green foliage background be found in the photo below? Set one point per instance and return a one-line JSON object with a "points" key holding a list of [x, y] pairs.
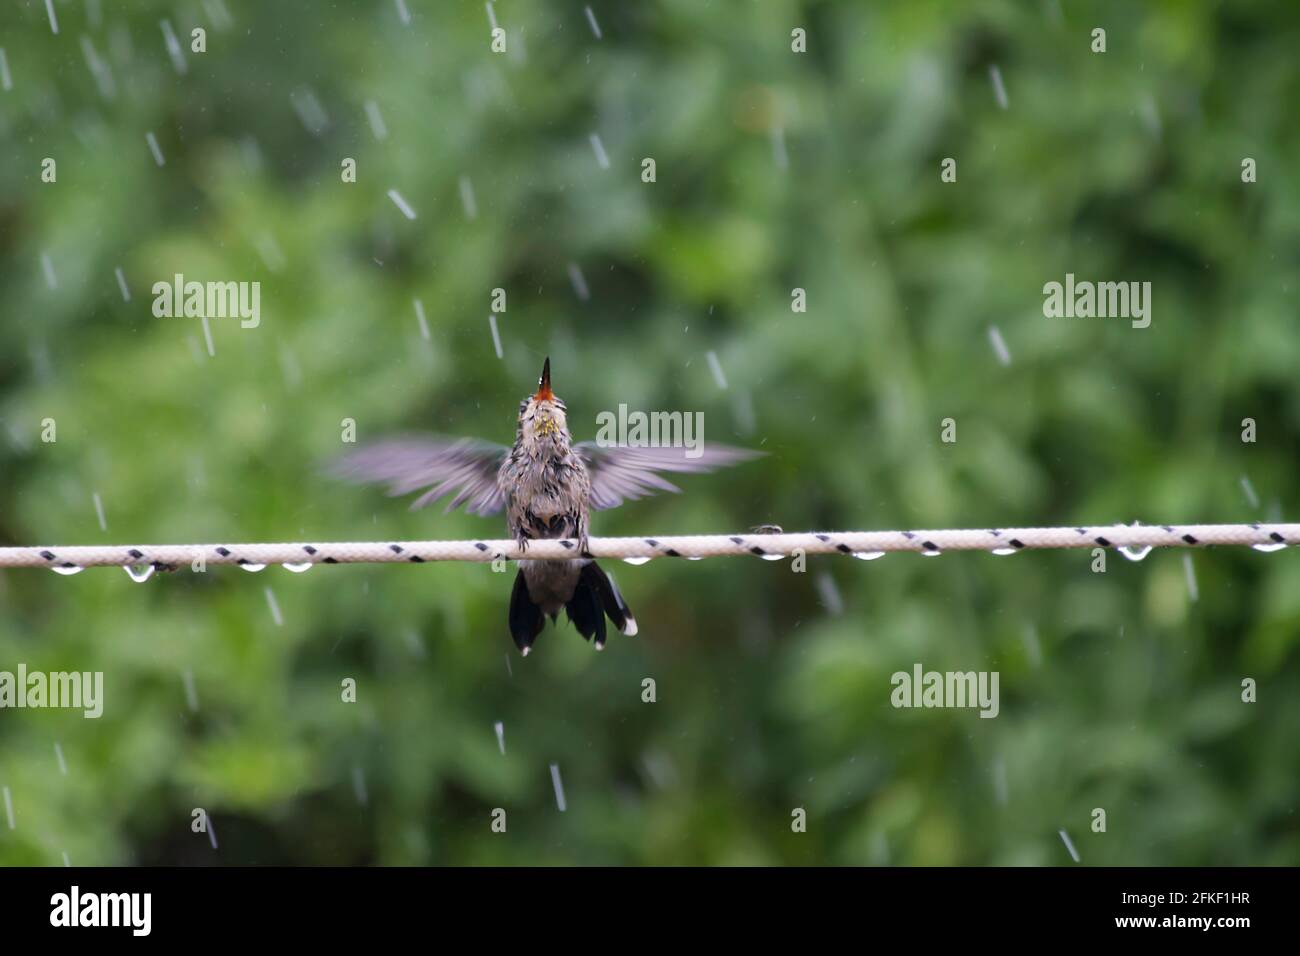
{"points": [[1118, 691]]}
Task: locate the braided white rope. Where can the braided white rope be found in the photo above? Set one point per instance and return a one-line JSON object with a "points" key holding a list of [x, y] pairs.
{"points": [[859, 543]]}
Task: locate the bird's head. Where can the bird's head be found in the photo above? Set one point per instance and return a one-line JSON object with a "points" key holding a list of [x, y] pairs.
{"points": [[542, 414]]}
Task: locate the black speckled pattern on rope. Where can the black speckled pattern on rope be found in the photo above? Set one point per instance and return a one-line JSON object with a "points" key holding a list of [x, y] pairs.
{"points": [[1001, 540]]}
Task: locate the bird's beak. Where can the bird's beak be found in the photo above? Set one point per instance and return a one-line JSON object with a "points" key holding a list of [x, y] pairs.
{"points": [[544, 393]]}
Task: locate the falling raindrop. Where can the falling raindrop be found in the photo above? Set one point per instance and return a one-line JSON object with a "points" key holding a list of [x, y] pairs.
{"points": [[298, 568], [779, 154], [830, 594], [121, 284], [98, 68], [1249, 491], [659, 768], [359, 785], [639, 560], [403, 14], [1032, 646], [496, 335], [999, 90], [716, 368], [207, 337], [68, 569], [252, 567], [152, 140], [270, 252], [579, 282], [9, 802], [191, 691], [274, 605], [66, 861], [746, 421], [467, 198], [54, 27], [173, 46], [598, 148], [868, 555], [99, 511], [555, 781], [1192, 591], [6, 81], [139, 573], [218, 14], [58, 755], [1150, 114], [1069, 845], [500, 728], [310, 112], [377, 126], [47, 267], [421, 320], [999, 345], [400, 202]]}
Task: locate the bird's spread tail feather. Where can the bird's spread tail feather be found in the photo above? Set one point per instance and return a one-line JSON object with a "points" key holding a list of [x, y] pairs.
{"points": [[597, 592], [526, 618], [595, 597]]}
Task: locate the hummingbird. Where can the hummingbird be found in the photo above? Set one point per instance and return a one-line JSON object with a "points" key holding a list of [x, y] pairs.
{"points": [[547, 485]]}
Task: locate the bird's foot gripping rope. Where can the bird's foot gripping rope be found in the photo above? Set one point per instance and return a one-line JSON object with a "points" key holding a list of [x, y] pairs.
{"points": [[299, 556]]}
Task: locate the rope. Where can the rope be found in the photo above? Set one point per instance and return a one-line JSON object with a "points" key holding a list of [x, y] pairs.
{"points": [[1133, 540]]}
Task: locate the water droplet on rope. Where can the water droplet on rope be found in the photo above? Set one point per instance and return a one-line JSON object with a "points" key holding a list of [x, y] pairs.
{"points": [[931, 553], [868, 555], [139, 573], [695, 557], [772, 557], [1133, 553], [1002, 551], [1266, 548], [641, 560], [252, 567], [298, 568], [69, 569]]}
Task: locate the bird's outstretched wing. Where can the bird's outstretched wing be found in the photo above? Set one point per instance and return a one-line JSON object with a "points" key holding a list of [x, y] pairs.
{"points": [[623, 473], [465, 466]]}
